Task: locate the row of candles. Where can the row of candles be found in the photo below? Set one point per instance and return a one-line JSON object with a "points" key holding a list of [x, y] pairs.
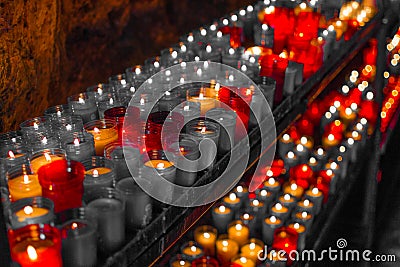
{"points": [[266, 226], [64, 178]]}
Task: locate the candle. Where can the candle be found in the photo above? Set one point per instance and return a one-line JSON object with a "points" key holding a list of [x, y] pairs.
{"points": [[179, 261], [313, 163], [231, 57], [294, 190], [139, 207], [117, 114], [280, 211], [276, 258], [85, 106], [119, 155], [58, 111], [210, 53], [249, 220], [10, 159], [191, 250], [45, 157], [22, 183], [62, 182], [291, 159], [108, 207], [258, 209], [232, 202], [79, 146], [205, 132], [316, 197], [227, 249], [221, 217], [243, 261], [267, 86], [302, 153], [285, 239], [252, 249], [268, 227], [106, 101], [31, 211], [99, 173], [302, 175], [320, 155], [287, 201], [97, 90], [264, 196], [189, 110], [169, 101], [205, 261], [36, 127], [227, 120], [285, 144], [79, 239], [241, 192], [301, 231], [206, 103], [305, 205], [163, 167], [304, 218], [206, 236], [104, 132], [29, 250]]}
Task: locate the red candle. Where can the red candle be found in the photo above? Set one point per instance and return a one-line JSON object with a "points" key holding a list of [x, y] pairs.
{"points": [[302, 174], [30, 251], [205, 261], [117, 114], [314, 112], [305, 127], [285, 239], [62, 182]]}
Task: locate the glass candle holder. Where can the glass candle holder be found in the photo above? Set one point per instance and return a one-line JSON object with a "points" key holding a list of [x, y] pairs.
{"points": [[33, 127], [152, 65], [232, 202], [169, 101], [118, 80], [196, 95], [221, 217], [206, 236], [43, 142], [99, 89], [29, 250], [62, 182], [43, 157], [6, 203], [67, 124], [267, 86], [79, 237], [186, 170], [23, 183], [157, 163], [116, 114], [280, 211], [139, 207], [227, 120], [205, 261], [239, 232], [136, 75], [58, 111], [226, 248], [231, 57], [252, 249], [189, 110], [85, 106], [106, 101], [179, 260], [99, 173], [104, 132], [191, 250], [119, 154], [315, 196], [201, 131], [79, 146], [9, 158], [108, 207], [32, 210], [210, 53]]}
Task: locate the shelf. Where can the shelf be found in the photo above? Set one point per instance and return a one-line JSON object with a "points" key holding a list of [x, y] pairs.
{"points": [[151, 243]]}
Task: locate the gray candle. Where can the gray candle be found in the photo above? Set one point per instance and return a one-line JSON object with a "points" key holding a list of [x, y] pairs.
{"points": [[302, 154], [231, 57], [263, 35], [221, 217], [79, 146], [289, 82], [189, 110], [79, 243], [227, 120], [269, 225], [99, 173], [267, 86], [119, 155], [169, 101], [303, 218], [305, 205], [287, 201], [108, 207], [264, 196], [138, 210], [33, 210], [257, 107], [301, 231], [85, 106], [285, 144], [233, 202], [210, 53], [316, 197], [105, 102]]}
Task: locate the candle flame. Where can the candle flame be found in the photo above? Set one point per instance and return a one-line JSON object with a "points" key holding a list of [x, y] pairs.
{"points": [[238, 227], [272, 219], [278, 206], [303, 140], [345, 89], [232, 196], [300, 148], [11, 154], [293, 187], [320, 151], [256, 202], [225, 243], [203, 32], [270, 173], [219, 34], [252, 246], [248, 92], [26, 179], [28, 210], [315, 191], [306, 202], [331, 137], [160, 165], [286, 197], [284, 54], [290, 155], [296, 226], [74, 226], [304, 214], [328, 115], [222, 209], [76, 142], [190, 38], [81, 100], [47, 156], [193, 248], [186, 108], [312, 160], [286, 137], [58, 113], [44, 140], [264, 193], [231, 51], [239, 189], [182, 263], [336, 104], [203, 130], [206, 235], [95, 173], [32, 254], [303, 5], [246, 216], [243, 260], [271, 181], [96, 130], [111, 101], [243, 68]]}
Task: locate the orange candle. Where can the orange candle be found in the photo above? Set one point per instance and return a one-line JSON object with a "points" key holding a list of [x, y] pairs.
{"points": [[104, 132], [238, 232], [244, 261], [294, 190], [280, 211], [316, 196], [24, 186], [252, 249], [192, 250], [44, 159], [206, 236], [227, 249]]}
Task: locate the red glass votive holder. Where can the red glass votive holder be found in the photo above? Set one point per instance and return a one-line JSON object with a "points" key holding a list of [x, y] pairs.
{"points": [[285, 239], [205, 261], [62, 182], [116, 114], [29, 250]]}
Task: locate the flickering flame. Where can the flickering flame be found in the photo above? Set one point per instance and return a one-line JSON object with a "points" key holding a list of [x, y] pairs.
{"points": [[246, 216], [225, 243], [81, 100], [336, 104], [28, 210], [96, 130], [142, 101], [270, 173], [243, 68], [203, 130], [354, 134], [182, 80], [386, 75], [293, 187], [278, 206], [370, 95], [256, 202], [239, 189], [35, 126], [252, 246], [242, 12], [95, 173], [320, 151], [219, 34], [296, 226], [252, 60], [345, 89], [350, 141], [203, 32], [26, 179], [300, 148], [190, 38], [11, 154], [123, 82], [264, 27], [331, 137], [338, 122], [193, 248], [286, 197], [328, 115], [199, 72], [74, 225], [353, 106], [273, 218], [58, 113], [303, 140], [332, 109], [269, 10], [208, 49], [206, 235], [264, 193], [111, 101], [232, 196], [47, 157], [174, 54], [353, 79], [160, 165], [283, 54], [271, 181], [238, 227], [286, 137], [243, 260], [32, 254], [250, 8], [333, 166], [306, 202], [222, 209], [156, 64], [304, 214], [342, 149], [329, 172], [312, 160], [315, 191], [290, 155], [303, 5], [213, 27]]}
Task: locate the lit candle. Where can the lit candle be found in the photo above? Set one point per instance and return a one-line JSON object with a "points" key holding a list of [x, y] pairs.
{"points": [[189, 110], [29, 250], [179, 261], [249, 220], [285, 145], [99, 173], [23, 184], [227, 249], [222, 216], [305, 205], [191, 250], [287, 201], [268, 227], [264, 196], [271, 184], [252, 249], [104, 132], [258, 209], [206, 103], [79, 146], [280, 211], [320, 155], [31, 211], [206, 236], [163, 167], [302, 174], [85, 106], [45, 157], [12, 158], [119, 155], [241, 192], [304, 218], [302, 153], [108, 207], [243, 261], [232, 202], [301, 231], [285, 239], [290, 159], [231, 57], [313, 163], [316, 197], [294, 190]]}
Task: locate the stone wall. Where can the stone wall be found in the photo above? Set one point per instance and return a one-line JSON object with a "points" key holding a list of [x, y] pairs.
{"points": [[51, 49]]}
